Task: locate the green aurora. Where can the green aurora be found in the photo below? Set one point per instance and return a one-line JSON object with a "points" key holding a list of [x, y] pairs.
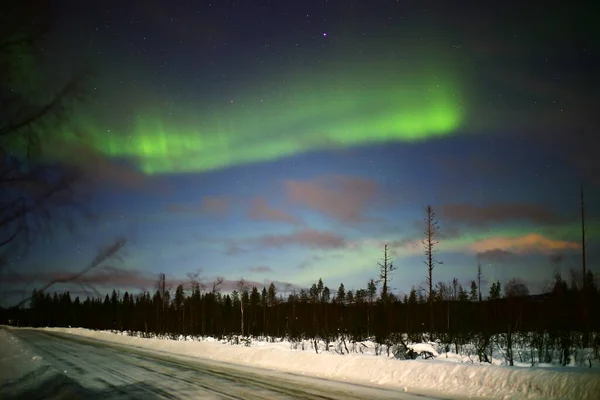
{"points": [[299, 115]]}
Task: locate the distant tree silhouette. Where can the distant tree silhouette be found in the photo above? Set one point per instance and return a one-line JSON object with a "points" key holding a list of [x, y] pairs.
{"points": [[479, 278], [242, 288], [495, 291], [473, 295], [429, 243], [340, 296], [386, 267], [516, 288]]}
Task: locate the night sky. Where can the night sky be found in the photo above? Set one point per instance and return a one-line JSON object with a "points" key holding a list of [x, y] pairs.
{"points": [[290, 140]]}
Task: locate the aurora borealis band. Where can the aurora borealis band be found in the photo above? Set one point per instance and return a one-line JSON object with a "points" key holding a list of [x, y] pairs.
{"points": [[289, 141], [340, 110]]}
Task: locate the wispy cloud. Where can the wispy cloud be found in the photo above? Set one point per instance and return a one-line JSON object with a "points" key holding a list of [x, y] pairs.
{"points": [[260, 210], [105, 276], [530, 243], [101, 169], [211, 205], [310, 261], [306, 238], [497, 213], [496, 256], [260, 269], [233, 249], [215, 205], [344, 198]]}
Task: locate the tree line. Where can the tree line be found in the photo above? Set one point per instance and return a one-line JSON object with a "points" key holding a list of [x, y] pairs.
{"points": [[320, 312]]}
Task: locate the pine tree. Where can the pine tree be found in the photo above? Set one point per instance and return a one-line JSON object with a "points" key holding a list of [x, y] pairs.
{"points": [[350, 297], [412, 298], [340, 296], [272, 294], [429, 243], [479, 278], [325, 295], [495, 290], [473, 296], [462, 294]]}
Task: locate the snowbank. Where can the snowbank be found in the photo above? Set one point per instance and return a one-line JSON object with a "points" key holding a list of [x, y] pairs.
{"points": [[418, 376], [12, 354]]}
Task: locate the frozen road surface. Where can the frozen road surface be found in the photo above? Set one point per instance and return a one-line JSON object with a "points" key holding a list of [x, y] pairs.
{"points": [[68, 367]]}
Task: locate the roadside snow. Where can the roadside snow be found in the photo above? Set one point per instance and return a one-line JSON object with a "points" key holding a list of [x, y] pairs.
{"points": [[16, 360], [420, 348], [454, 379]]}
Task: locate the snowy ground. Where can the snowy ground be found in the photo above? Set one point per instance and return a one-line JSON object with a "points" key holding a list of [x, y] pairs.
{"points": [[447, 375], [53, 365]]}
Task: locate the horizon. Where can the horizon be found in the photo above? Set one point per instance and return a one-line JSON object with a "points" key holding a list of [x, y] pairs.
{"points": [[287, 143]]}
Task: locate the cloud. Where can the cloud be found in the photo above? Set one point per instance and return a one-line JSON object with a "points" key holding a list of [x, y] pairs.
{"points": [[99, 168], [261, 269], [408, 243], [260, 210], [176, 208], [106, 276], [497, 213], [530, 243], [309, 262], [556, 258], [233, 249], [306, 238], [212, 205], [496, 255], [215, 205], [344, 198]]}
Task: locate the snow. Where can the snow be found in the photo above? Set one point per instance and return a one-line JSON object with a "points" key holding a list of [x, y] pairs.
{"points": [[447, 374], [12, 354], [421, 348]]}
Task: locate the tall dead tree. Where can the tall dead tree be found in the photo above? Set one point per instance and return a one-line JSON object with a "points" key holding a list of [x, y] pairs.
{"points": [[164, 300], [429, 243], [479, 277], [582, 235], [216, 285], [584, 291], [242, 287], [385, 269]]}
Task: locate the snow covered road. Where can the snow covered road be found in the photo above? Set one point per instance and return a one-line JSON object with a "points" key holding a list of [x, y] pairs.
{"points": [[70, 367]]}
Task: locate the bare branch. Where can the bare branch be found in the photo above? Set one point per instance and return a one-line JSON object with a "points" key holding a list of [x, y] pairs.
{"points": [[33, 190], [104, 254], [217, 283]]}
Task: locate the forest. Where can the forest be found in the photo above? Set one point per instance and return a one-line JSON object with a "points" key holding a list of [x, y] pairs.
{"points": [[555, 322]]}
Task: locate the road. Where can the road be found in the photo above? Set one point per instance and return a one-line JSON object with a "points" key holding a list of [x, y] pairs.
{"points": [[81, 368]]}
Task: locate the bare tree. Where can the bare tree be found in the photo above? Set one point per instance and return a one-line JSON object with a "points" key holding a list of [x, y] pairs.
{"points": [[385, 268], [582, 234], [429, 243], [479, 277], [516, 288], [217, 284], [242, 286], [584, 286], [34, 190], [104, 253], [195, 281], [163, 291]]}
